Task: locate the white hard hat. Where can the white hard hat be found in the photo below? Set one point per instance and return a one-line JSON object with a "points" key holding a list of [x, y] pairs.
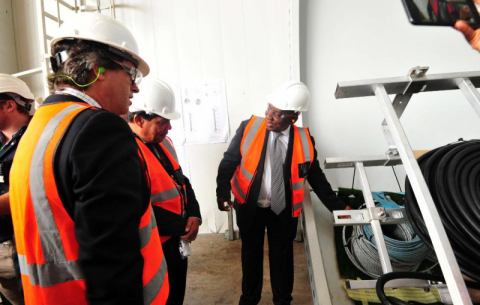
{"points": [[290, 95], [104, 29], [15, 87], [157, 97]]}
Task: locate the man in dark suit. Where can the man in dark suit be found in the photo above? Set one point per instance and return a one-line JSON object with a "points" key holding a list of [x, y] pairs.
{"points": [[268, 161]]}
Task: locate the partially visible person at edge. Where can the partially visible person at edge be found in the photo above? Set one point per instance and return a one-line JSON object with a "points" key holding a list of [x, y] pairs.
{"points": [[173, 199], [471, 35], [266, 166], [79, 190], [16, 102]]}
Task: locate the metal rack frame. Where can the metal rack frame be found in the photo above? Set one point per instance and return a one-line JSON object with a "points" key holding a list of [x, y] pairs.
{"points": [[399, 151]]}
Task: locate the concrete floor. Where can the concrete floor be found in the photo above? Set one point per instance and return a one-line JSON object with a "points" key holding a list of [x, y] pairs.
{"points": [[215, 275]]}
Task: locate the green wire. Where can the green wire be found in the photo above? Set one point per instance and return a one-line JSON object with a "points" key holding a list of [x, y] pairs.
{"points": [[53, 77]]}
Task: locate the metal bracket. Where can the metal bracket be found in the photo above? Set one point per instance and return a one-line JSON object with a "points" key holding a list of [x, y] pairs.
{"points": [[388, 159], [400, 102], [470, 92], [416, 73], [365, 216], [444, 294], [371, 284]]}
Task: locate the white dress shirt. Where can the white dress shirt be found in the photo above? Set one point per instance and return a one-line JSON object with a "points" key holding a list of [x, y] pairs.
{"points": [[84, 97], [266, 187]]}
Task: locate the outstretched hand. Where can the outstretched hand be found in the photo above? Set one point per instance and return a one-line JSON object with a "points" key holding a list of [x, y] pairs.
{"points": [[471, 35]]}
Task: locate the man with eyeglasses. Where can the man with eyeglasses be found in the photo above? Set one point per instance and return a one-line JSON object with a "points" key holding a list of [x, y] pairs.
{"points": [[265, 167], [173, 200], [80, 194]]}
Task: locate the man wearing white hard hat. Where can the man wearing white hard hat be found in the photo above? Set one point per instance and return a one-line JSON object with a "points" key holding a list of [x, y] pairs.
{"points": [[79, 192], [265, 167], [173, 200], [15, 105]]}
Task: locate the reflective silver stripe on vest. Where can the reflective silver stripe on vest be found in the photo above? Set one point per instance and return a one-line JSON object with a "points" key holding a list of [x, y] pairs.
{"points": [[50, 274], [297, 186], [246, 145], [152, 289], [297, 206], [56, 269], [237, 187], [246, 173], [146, 232], [165, 195], [170, 149], [306, 147]]}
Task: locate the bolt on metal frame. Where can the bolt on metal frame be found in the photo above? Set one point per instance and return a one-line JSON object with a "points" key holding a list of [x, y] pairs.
{"points": [[43, 15], [399, 151]]}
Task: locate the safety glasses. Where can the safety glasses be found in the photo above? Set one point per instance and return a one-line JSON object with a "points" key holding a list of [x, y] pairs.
{"points": [[277, 115], [135, 74]]}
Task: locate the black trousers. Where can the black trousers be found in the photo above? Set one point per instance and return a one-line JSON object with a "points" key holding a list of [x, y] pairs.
{"points": [[281, 230], [177, 271]]}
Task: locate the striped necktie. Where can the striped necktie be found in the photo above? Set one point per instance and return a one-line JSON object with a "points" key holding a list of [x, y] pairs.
{"points": [[277, 200]]}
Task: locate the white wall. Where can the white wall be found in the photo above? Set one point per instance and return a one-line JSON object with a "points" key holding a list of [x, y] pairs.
{"points": [[26, 45], [251, 44], [25, 34], [245, 42], [353, 40], [8, 57]]}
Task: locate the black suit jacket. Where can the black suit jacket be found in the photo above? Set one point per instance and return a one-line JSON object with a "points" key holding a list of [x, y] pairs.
{"points": [[246, 212], [102, 186]]}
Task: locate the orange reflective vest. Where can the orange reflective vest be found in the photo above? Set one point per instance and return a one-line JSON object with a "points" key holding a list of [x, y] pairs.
{"points": [[251, 151], [45, 233], [165, 191]]}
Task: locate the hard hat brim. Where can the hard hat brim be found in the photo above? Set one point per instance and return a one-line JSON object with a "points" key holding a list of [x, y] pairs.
{"points": [[175, 115], [171, 116], [105, 30], [142, 64], [280, 98], [12, 84]]}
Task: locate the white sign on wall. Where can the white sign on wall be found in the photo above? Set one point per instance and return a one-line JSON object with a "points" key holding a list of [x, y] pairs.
{"points": [[204, 105]]}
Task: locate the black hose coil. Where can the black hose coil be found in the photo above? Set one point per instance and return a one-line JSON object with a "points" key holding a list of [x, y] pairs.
{"points": [[452, 174]]}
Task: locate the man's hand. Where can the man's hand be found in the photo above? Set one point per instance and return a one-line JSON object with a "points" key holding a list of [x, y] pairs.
{"points": [[221, 204], [193, 223], [5, 204], [346, 209], [471, 35]]}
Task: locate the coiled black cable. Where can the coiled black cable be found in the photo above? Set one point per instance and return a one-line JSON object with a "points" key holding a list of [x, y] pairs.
{"points": [[452, 174]]}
